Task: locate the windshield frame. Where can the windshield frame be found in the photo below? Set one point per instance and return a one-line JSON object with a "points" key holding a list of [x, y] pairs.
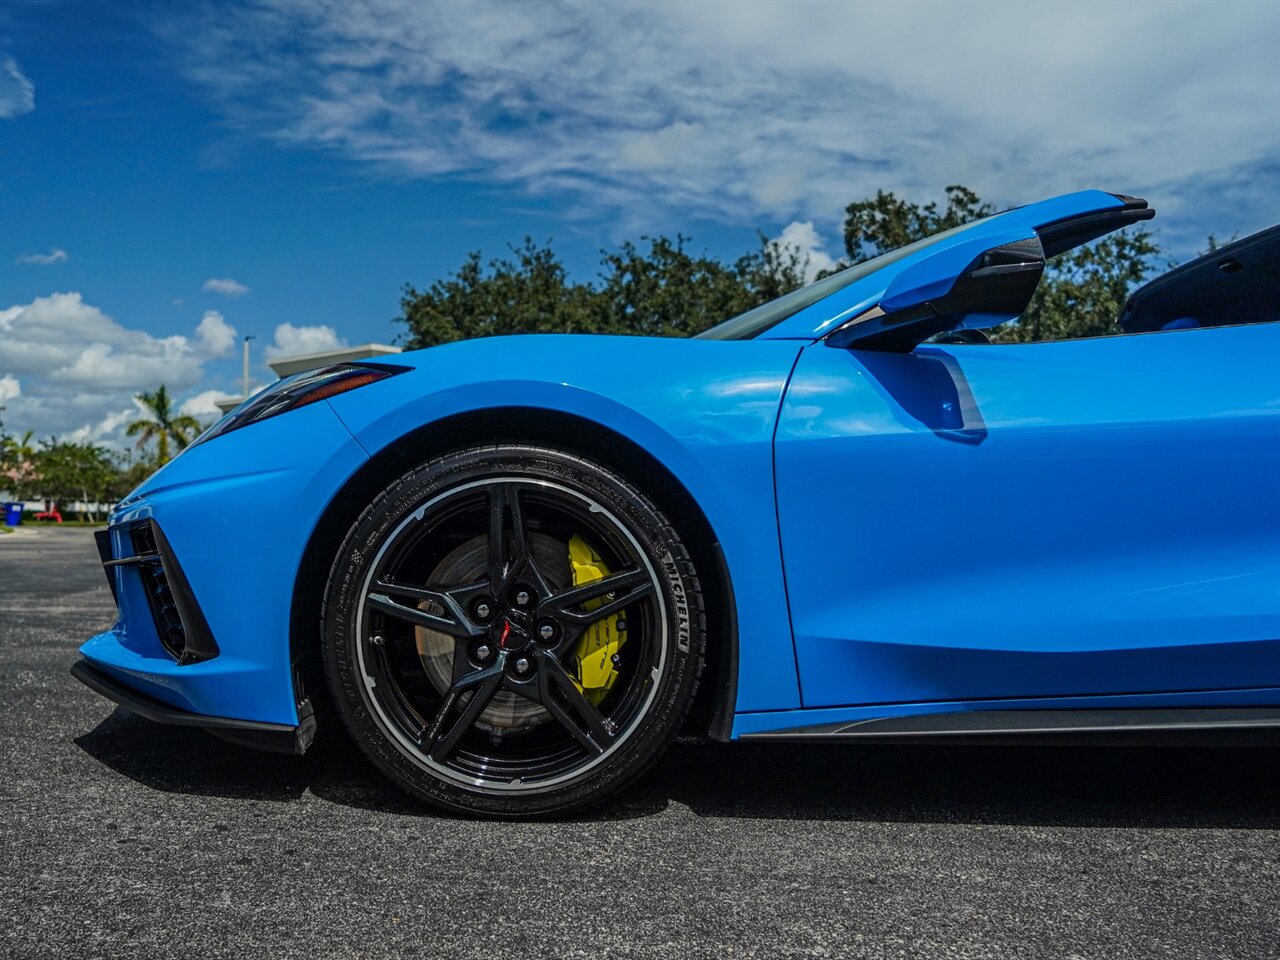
{"points": [[758, 320]]}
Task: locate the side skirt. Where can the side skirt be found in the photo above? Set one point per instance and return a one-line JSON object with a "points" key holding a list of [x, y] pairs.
{"points": [[993, 726]]}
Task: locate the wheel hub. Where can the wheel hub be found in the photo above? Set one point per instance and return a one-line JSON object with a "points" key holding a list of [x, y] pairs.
{"points": [[510, 630], [508, 713]]}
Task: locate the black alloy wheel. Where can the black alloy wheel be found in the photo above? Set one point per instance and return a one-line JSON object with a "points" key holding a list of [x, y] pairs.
{"points": [[513, 631]]}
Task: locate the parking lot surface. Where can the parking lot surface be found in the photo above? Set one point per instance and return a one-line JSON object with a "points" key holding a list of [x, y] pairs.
{"points": [[120, 838]]}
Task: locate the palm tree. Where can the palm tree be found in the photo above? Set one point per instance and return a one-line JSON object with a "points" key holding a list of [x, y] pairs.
{"points": [[23, 447], [162, 424]]}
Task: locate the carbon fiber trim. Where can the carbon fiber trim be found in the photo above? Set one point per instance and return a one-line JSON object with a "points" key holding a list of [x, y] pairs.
{"points": [[980, 724]]}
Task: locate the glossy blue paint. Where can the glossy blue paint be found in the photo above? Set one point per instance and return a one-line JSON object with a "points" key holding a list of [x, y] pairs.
{"points": [[705, 409], [237, 511], [1034, 520], [932, 270]]}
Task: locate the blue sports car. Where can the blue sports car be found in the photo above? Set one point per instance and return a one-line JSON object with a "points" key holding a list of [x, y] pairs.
{"points": [[515, 568]]}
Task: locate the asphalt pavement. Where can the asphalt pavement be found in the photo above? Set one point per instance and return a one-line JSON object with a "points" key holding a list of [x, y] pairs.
{"points": [[122, 838]]}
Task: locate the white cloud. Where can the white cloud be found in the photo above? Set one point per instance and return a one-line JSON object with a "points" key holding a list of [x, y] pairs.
{"points": [[17, 93], [802, 239], [291, 341], [107, 426], [55, 255], [225, 286], [204, 405], [660, 149], [778, 110], [215, 335], [71, 370]]}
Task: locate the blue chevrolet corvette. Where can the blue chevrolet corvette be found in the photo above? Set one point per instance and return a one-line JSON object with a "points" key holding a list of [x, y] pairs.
{"points": [[515, 568]]}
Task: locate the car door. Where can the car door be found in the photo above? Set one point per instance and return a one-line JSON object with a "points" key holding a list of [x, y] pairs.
{"points": [[988, 521]]}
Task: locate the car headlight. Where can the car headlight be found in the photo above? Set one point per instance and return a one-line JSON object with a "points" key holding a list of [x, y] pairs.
{"points": [[298, 391]]}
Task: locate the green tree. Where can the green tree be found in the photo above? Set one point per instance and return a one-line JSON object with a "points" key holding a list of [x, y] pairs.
{"points": [[19, 474], [769, 271], [527, 293], [660, 289], [75, 471], [1085, 289], [665, 291], [162, 424], [884, 222]]}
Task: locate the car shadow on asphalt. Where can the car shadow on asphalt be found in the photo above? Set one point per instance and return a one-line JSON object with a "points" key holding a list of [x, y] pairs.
{"points": [[1165, 785]]}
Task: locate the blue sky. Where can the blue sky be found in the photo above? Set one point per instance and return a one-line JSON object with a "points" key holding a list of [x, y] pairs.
{"points": [[175, 176]]}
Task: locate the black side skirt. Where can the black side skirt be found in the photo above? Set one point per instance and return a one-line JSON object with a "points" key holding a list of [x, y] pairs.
{"points": [[272, 737], [994, 726]]}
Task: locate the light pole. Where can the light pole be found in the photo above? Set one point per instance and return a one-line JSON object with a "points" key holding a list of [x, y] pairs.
{"points": [[246, 367]]}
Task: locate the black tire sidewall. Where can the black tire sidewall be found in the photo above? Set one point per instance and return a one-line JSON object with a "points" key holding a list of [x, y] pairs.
{"points": [[682, 601]]}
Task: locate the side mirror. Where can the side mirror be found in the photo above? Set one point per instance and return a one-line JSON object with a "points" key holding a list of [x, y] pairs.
{"points": [[931, 297]]}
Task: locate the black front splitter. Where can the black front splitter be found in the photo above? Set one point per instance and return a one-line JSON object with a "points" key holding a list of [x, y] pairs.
{"points": [[272, 737]]}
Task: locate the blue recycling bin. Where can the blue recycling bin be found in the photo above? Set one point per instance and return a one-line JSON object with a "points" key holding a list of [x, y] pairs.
{"points": [[12, 514]]}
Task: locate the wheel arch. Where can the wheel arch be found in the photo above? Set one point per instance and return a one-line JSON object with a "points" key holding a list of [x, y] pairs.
{"points": [[714, 707]]}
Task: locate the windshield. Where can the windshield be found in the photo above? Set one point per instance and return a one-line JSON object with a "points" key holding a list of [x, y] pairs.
{"points": [[746, 326]]}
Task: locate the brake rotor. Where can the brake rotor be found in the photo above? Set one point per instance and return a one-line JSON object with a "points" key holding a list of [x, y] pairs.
{"points": [[508, 712]]}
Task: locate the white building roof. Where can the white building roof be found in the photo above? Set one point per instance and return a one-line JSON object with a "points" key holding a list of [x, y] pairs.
{"points": [[288, 366]]}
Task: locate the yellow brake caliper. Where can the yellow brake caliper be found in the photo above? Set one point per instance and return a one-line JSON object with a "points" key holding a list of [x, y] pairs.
{"points": [[597, 647]]}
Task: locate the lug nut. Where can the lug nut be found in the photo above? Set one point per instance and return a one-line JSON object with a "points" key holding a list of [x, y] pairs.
{"points": [[377, 640], [547, 631], [522, 598], [484, 652], [621, 624], [523, 665], [616, 659], [483, 610]]}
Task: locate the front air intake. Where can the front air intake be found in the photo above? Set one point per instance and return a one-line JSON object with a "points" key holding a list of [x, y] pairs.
{"points": [[179, 621]]}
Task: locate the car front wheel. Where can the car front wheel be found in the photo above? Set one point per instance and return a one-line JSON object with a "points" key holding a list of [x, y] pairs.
{"points": [[513, 631]]}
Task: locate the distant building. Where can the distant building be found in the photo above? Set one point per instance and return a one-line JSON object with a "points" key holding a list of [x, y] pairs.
{"points": [[288, 366]]}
